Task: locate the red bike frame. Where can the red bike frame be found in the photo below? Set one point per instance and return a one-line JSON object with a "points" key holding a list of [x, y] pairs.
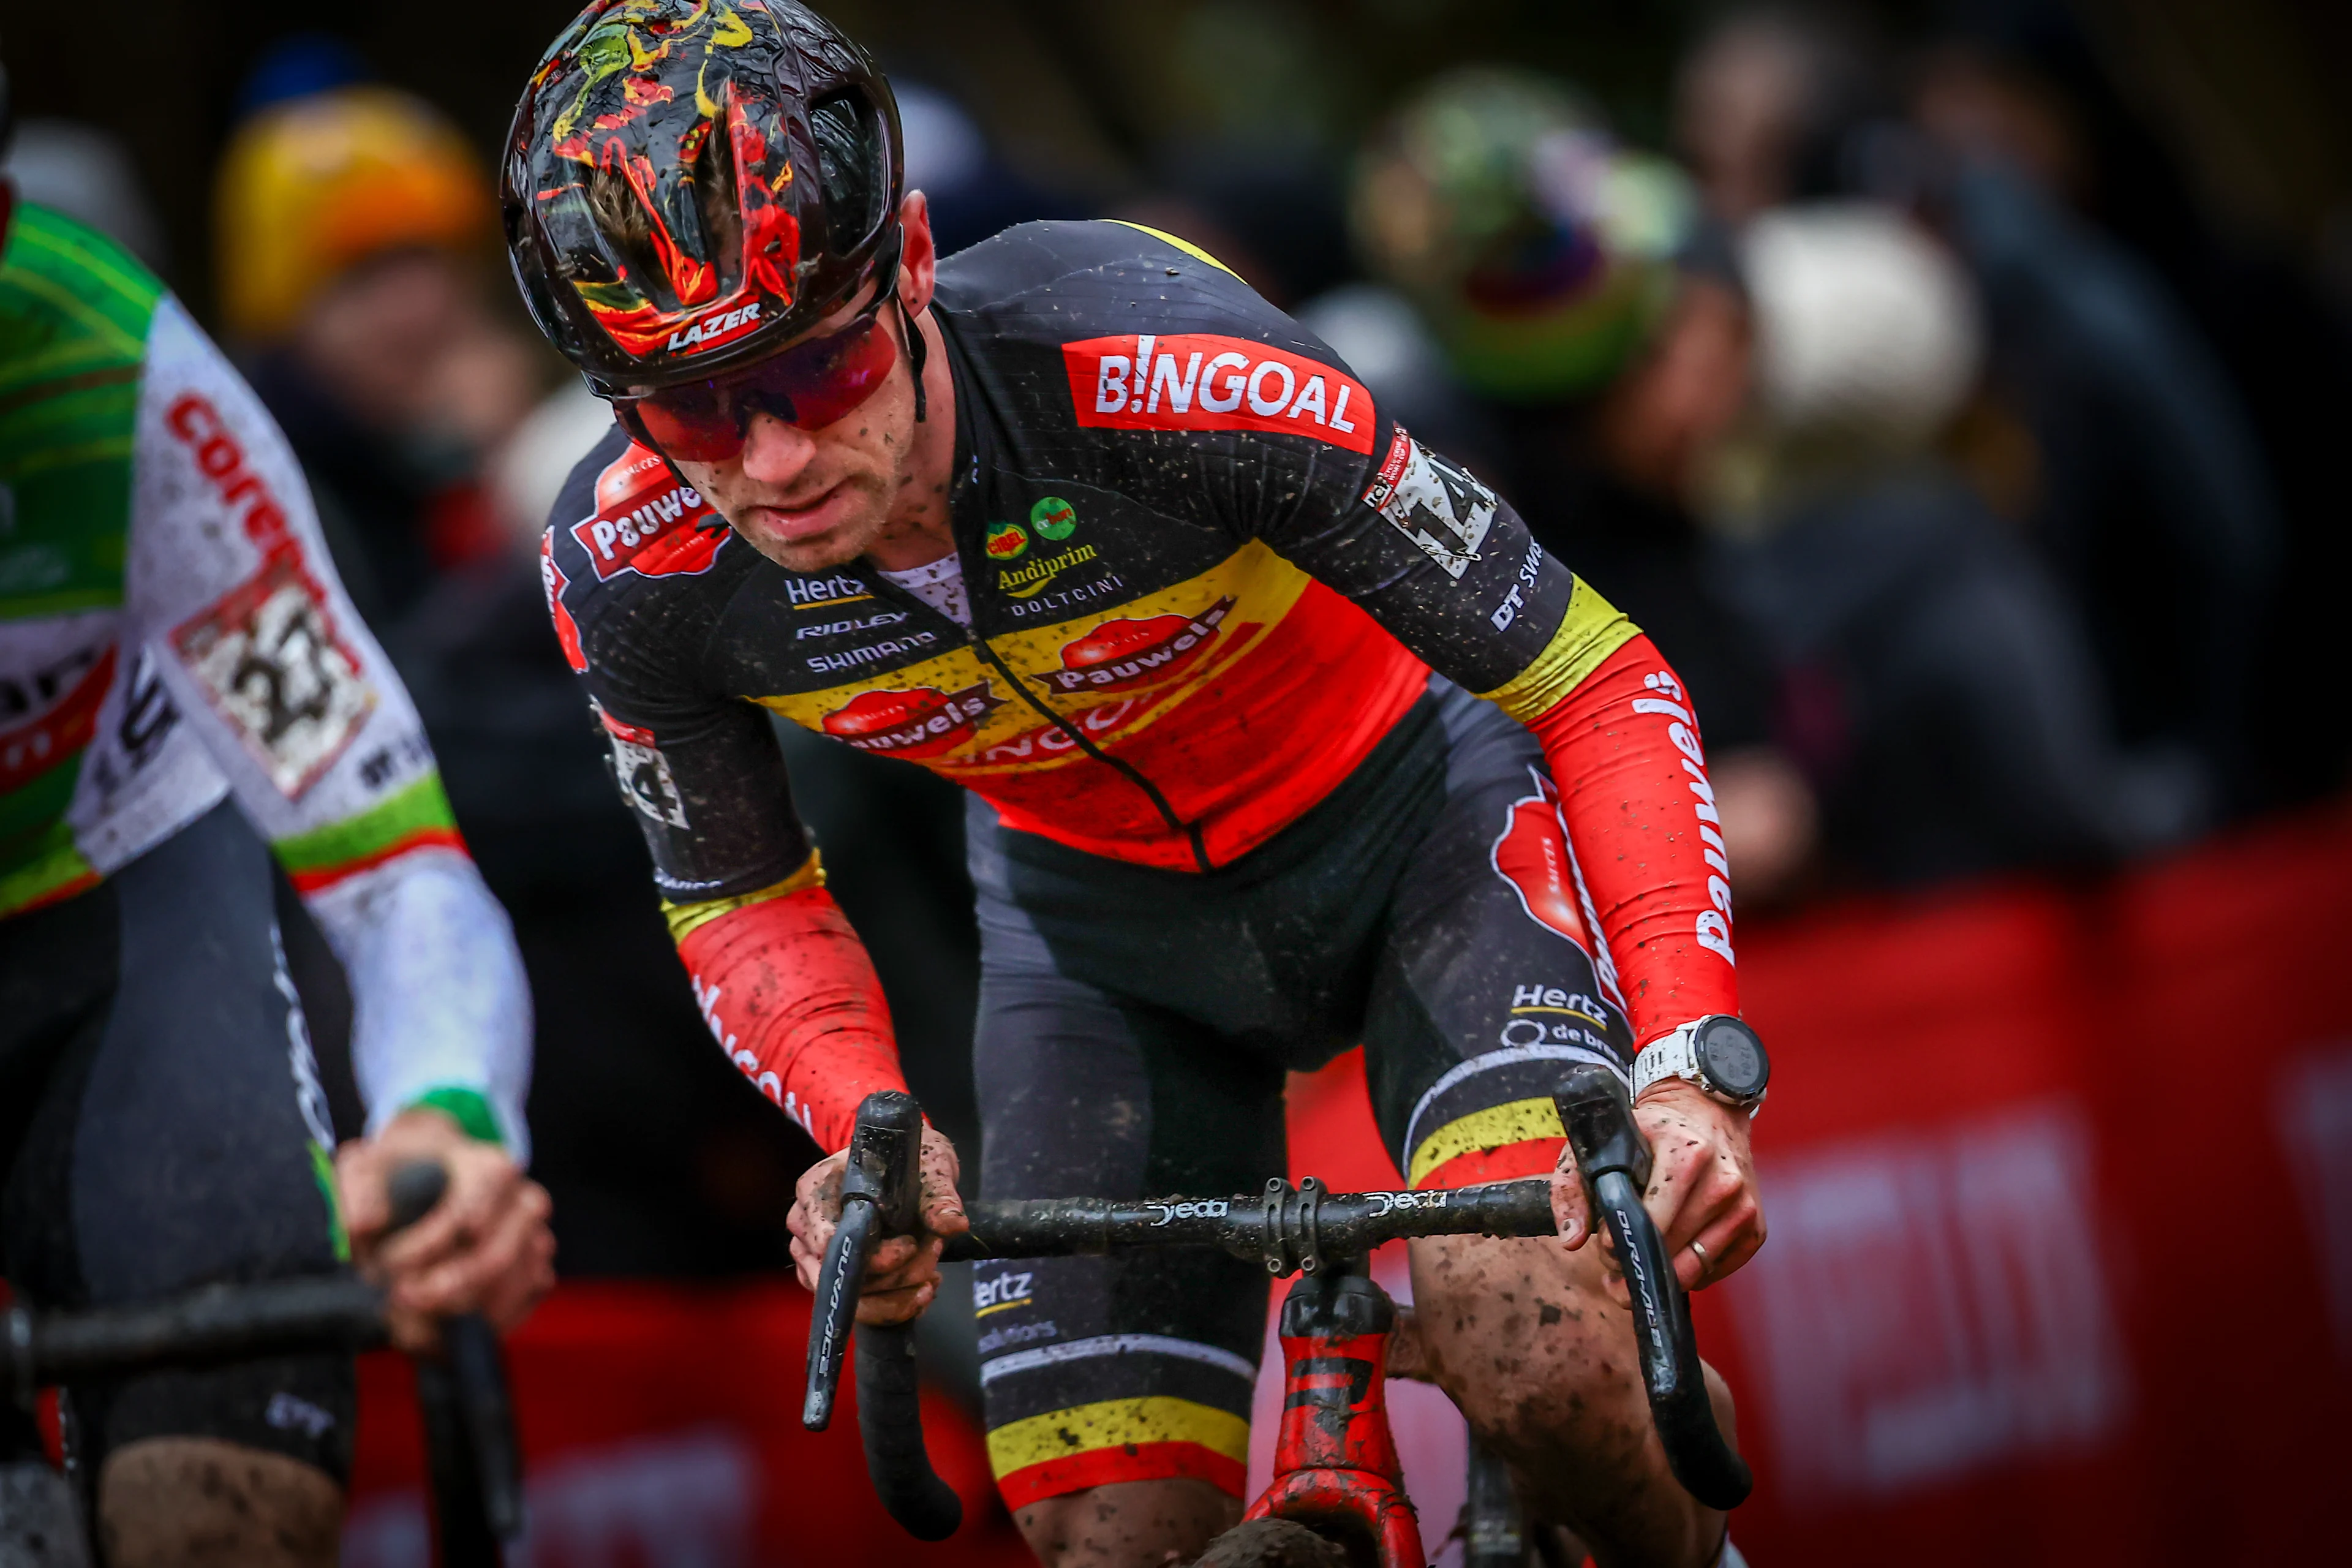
{"points": [[1334, 1460]]}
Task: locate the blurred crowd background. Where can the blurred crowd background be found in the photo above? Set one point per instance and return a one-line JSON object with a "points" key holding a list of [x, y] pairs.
{"points": [[1957, 392]]}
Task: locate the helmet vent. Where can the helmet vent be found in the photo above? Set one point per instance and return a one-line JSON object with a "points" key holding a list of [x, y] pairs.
{"points": [[851, 156]]}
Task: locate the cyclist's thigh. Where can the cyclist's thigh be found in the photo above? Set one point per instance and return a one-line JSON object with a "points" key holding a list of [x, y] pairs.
{"points": [[1104, 1370], [1489, 986], [179, 1137]]}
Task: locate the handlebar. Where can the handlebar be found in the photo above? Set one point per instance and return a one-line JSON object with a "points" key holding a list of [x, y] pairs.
{"points": [[332, 1312], [1304, 1230]]}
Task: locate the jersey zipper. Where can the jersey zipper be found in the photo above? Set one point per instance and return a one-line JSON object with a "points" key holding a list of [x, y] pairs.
{"points": [[1190, 831]]}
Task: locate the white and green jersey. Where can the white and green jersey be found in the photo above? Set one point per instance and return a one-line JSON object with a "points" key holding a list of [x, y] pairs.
{"points": [[171, 632]]}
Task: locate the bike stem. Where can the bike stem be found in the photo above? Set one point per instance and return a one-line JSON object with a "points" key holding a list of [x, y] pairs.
{"points": [[1336, 1458]]}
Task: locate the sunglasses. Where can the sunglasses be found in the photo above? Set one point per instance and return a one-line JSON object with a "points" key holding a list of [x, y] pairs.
{"points": [[810, 385]]}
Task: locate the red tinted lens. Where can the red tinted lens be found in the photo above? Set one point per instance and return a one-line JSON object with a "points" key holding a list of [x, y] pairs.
{"points": [[688, 422], [809, 386], [818, 383]]}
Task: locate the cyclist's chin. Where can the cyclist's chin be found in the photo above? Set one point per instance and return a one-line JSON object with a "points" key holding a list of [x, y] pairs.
{"points": [[832, 532]]}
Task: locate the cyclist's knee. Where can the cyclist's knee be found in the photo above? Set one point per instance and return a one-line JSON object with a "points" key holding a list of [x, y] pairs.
{"points": [[1493, 1316], [201, 1501], [1128, 1524]]}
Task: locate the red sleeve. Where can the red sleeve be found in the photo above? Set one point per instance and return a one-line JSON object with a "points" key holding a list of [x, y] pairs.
{"points": [[790, 991], [1645, 839]]}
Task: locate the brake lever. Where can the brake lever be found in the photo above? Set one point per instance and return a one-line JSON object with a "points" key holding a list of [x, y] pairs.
{"points": [[881, 1195], [1613, 1158]]}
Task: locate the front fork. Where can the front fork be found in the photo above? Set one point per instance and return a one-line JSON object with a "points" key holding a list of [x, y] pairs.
{"points": [[1335, 1461]]}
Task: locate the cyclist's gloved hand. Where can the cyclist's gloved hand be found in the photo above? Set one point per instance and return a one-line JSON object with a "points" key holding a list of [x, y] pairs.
{"points": [[1702, 1188], [903, 1274], [486, 1247]]}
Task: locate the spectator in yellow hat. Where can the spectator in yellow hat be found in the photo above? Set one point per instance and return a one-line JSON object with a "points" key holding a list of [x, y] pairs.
{"points": [[352, 224]]}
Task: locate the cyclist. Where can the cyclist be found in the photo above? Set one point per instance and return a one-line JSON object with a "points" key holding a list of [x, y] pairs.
{"points": [[179, 668], [1076, 519]]}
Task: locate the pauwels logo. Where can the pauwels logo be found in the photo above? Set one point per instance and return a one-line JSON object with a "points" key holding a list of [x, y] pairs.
{"points": [[1117, 656], [1199, 381], [923, 721], [647, 522]]}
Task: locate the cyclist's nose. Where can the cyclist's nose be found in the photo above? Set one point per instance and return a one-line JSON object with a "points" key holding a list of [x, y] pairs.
{"points": [[773, 451]]}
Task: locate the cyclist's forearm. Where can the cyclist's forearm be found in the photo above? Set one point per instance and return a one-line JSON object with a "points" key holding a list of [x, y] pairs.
{"points": [[440, 1006], [788, 989], [1640, 813]]}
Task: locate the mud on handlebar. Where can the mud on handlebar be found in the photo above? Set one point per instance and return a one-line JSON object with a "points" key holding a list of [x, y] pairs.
{"points": [[1302, 1230]]}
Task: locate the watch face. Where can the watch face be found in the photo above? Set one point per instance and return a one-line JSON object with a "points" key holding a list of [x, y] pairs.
{"points": [[1733, 1058]]}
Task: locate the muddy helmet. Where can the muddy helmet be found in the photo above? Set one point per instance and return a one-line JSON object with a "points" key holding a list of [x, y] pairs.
{"points": [[689, 183]]}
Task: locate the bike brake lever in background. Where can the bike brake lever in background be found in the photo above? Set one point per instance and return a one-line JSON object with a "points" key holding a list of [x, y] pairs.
{"points": [[472, 1380], [881, 1193], [1613, 1158]]}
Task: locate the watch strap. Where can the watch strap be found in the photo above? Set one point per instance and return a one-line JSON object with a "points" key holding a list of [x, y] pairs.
{"points": [[1674, 1055]]}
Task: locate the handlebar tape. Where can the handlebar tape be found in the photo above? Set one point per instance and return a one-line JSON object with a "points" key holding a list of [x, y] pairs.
{"points": [[1614, 1160], [890, 1421], [413, 1189], [480, 1373]]}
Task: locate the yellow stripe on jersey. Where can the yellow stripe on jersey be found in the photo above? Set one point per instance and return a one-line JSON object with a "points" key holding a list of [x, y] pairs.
{"points": [[1186, 245], [686, 919], [1592, 629], [1497, 1127], [1114, 1423]]}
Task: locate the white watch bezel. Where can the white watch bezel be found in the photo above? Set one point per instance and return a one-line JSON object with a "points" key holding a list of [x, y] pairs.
{"points": [[1675, 1055]]}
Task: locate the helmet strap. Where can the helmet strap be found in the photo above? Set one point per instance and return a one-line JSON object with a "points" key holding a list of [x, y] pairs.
{"points": [[916, 352]]}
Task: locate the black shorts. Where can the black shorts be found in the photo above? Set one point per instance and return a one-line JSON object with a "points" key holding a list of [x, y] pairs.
{"points": [[163, 1126], [1136, 1026]]}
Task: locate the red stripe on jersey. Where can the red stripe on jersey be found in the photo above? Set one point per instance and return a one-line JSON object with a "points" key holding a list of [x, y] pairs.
{"points": [[1245, 754], [1121, 1462], [1536, 1157]]}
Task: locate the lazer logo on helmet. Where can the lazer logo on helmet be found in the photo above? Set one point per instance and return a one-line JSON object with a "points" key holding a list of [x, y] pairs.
{"points": [[647, 522], [713, 330], [1199, 381]]}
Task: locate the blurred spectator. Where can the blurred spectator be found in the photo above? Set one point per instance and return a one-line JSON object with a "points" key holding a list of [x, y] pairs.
{"points": [[1765, 106], [1598, 345], [1938, 685], [352, 224], [2151, 478], [2111, 427], [973, 191], [87, 174]]}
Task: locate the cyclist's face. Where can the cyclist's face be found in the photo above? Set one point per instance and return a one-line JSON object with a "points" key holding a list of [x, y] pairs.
{"points": [[813, 499]]}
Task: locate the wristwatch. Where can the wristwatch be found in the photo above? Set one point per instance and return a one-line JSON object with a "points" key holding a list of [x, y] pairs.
{"points": [[1718, 1053]]}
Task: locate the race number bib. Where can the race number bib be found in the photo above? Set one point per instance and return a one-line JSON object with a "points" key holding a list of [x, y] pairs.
{"points": [[1440, 508], [268, 660]]}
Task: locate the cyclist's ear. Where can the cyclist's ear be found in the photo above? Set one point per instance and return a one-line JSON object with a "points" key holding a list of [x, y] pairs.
{"points": [[918, 263]]}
